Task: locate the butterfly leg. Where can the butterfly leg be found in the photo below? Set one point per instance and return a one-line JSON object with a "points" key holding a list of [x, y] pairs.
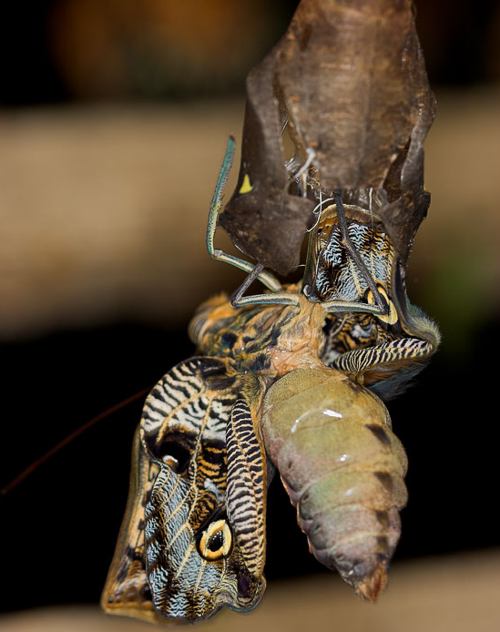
{"points": [[337, 307], [353, 253], [266, 278], [276, 298], [379, 307]]}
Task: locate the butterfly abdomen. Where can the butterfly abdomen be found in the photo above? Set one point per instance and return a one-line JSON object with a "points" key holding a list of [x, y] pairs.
{"points": [[343, 468]]}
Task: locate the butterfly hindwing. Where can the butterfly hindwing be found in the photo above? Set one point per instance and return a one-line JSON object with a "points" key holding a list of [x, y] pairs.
{"points": [[194, 561]]}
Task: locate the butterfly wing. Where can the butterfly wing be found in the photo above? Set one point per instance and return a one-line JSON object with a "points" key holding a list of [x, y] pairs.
{"points": [[127, 591], [246, 487], [194, 560]]}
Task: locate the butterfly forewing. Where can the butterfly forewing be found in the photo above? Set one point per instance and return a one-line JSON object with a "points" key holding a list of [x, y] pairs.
{"points": [[127, 590]]}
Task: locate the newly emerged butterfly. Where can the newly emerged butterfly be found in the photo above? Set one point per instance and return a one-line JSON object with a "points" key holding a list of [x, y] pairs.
{"points": [[193, 537], [267, 382]]}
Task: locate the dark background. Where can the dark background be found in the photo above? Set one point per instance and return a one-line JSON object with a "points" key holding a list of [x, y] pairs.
{"points": [[60, 525], [460, 40]]}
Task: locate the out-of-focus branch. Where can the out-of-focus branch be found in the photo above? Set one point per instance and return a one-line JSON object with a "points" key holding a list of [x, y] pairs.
{"points": [[103, 212]]}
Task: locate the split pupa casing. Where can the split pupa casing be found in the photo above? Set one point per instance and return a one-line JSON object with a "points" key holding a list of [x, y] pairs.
{"points": [[350, 79]]}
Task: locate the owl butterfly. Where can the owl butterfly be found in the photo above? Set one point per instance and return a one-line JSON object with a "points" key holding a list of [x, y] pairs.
{"points": [[193, 537], [282, 373]]}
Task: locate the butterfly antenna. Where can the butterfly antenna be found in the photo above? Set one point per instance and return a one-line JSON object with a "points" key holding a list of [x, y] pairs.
{"points": [[24, 474]]}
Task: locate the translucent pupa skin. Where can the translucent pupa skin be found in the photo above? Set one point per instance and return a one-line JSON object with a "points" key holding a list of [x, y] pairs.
{"points": [[343, 468], [328, 436]]}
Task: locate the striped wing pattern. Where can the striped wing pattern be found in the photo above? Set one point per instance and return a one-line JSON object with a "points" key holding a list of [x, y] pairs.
{"points": [[183, 431], [389, 366], [246, 486], [386, 354]]}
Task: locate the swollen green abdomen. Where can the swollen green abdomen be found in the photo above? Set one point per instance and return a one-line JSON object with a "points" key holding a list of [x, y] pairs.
{"points": [[343, 469]]}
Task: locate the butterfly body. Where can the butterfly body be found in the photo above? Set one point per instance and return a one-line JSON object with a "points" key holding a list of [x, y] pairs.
{"points": [[193, 538], [266, 340], [343, 469]]}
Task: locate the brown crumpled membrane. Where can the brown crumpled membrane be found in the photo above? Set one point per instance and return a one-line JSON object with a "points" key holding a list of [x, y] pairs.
{"points": [[349, 77]]}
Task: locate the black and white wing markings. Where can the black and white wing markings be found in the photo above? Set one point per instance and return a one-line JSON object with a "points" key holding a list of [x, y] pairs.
{"points": [[193, 561], [246, 486], [388, 367]]}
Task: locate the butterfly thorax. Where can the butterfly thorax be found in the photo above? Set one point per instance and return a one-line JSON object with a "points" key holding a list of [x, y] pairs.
{"points": [[268, 341]]}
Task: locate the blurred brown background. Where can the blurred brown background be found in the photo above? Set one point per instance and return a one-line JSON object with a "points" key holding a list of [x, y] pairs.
{"points": [[112, 127]]}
